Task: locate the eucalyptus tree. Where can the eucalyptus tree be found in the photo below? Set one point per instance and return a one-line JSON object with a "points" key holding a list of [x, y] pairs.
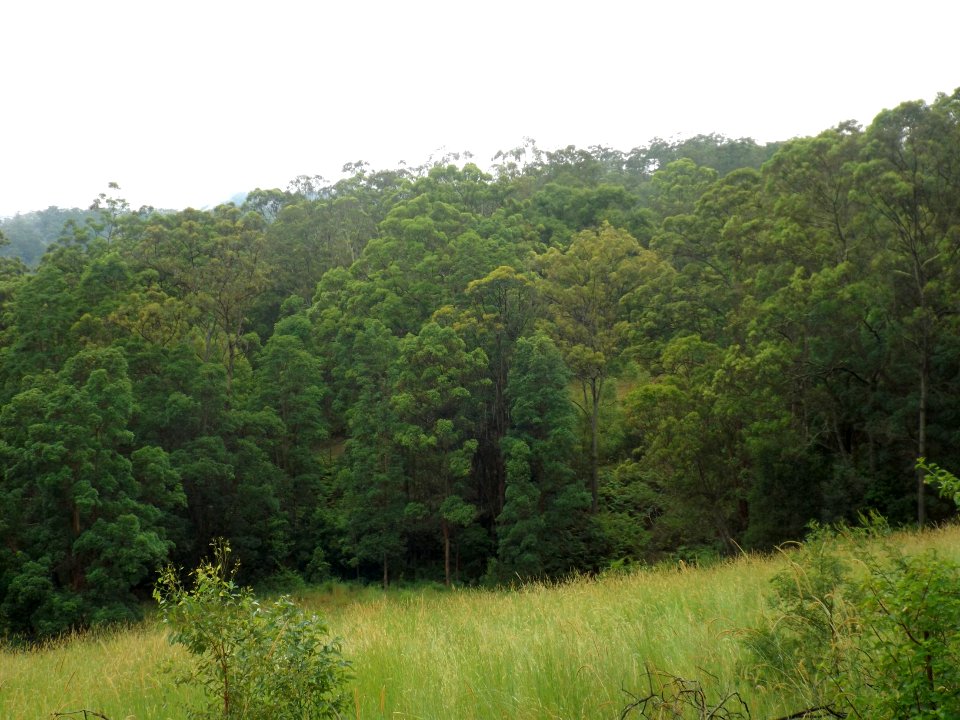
{"points": [[435, 397], [84, 508], [373, 486], [288, 384], [689, 425], [543, 526], [909, 181], [215, 262], [583, 289], [502, 308]]}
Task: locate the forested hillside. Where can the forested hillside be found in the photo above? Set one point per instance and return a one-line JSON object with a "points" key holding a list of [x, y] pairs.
{"points": [[28, 235], [584, 357]]}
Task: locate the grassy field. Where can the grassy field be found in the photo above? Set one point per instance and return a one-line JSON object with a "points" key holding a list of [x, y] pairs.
{"points": [[571, 651]]}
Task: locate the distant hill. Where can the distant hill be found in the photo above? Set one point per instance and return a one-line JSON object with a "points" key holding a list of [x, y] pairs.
{"points": [[31, 233]]}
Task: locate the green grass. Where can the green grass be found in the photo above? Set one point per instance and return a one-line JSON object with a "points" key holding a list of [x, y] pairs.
{"points": [[545, 652], [568, 651], [118, 673]]}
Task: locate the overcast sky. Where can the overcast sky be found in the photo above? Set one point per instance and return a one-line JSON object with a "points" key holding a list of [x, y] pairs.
{"points": [[188, 103]]}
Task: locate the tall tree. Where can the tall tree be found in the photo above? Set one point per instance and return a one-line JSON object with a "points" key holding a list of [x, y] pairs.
{"points": [[84, 510], [288, 383], [910, 181], [215, 262], [372, 476], [435, 397], [688, 425], [583, 288], [503, 308], [543, 524]]}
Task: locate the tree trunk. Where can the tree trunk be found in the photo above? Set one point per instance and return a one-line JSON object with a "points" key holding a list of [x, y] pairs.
{"points": [[446, 552], [596, 389], [922, 435]]}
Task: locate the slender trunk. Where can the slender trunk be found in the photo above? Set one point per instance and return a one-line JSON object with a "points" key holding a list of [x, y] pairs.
{"points": [[922, 434], [224, 673], [925, 329], [208, 344], [501, 472], [500, 430], [231, 355], [386, 575], [595, 445], [446, 552]]}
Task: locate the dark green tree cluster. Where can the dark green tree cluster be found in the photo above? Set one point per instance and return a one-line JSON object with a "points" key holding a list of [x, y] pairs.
{"points": [[583, 357]]}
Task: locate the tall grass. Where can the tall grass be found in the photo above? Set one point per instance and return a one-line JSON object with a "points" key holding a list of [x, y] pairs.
{"points": [[118, 673], [575, 650], [569, 651]]}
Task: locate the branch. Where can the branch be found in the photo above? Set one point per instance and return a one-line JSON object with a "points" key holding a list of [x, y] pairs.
{"points": [[821, 711], [86, 714], [676, 695]]}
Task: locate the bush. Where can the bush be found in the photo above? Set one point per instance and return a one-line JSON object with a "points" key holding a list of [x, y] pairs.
{"points": [[859, 626], [252, 661], [910, 641]]}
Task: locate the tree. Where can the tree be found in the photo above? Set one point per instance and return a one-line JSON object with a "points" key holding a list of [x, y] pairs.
{"points": [[86, 511], [909, 180], [288, 383], [504, 305], [42, 315], [584, 288], [214, 262], [712, 151], [372, 479], [543, 524], [675, 188], [688, 424], [711, 250], [435, 399]]}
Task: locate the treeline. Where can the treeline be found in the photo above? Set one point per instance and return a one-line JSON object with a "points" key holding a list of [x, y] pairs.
{"points": [[582, 358]]}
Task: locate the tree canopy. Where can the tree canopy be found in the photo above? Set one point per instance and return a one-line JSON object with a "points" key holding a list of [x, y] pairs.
{"points": [[580, 358]]}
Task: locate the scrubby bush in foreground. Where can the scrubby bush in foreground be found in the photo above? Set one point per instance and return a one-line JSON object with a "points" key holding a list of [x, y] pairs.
{"points": [[860, 626], [252, 660]]}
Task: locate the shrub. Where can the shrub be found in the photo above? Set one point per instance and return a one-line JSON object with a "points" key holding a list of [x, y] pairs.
{"points": [[801, 645], [859, 626], [252, 661]]}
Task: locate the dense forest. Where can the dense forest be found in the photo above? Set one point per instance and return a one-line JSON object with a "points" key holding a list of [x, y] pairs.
{"points": [[581, 358]]}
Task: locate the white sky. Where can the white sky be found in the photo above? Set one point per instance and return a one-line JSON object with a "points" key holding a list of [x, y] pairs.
{"points": [[188, 103]]}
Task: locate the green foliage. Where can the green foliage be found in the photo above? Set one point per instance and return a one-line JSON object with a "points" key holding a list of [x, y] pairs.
{"points": [[436, 399], [809, 616], [251, 660], [337, 377], [861, 626], [585, 288], [84, 513], [521, 525], [909, 608], [543, 522], [30, 234], [946, 483], [714, 151]]}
